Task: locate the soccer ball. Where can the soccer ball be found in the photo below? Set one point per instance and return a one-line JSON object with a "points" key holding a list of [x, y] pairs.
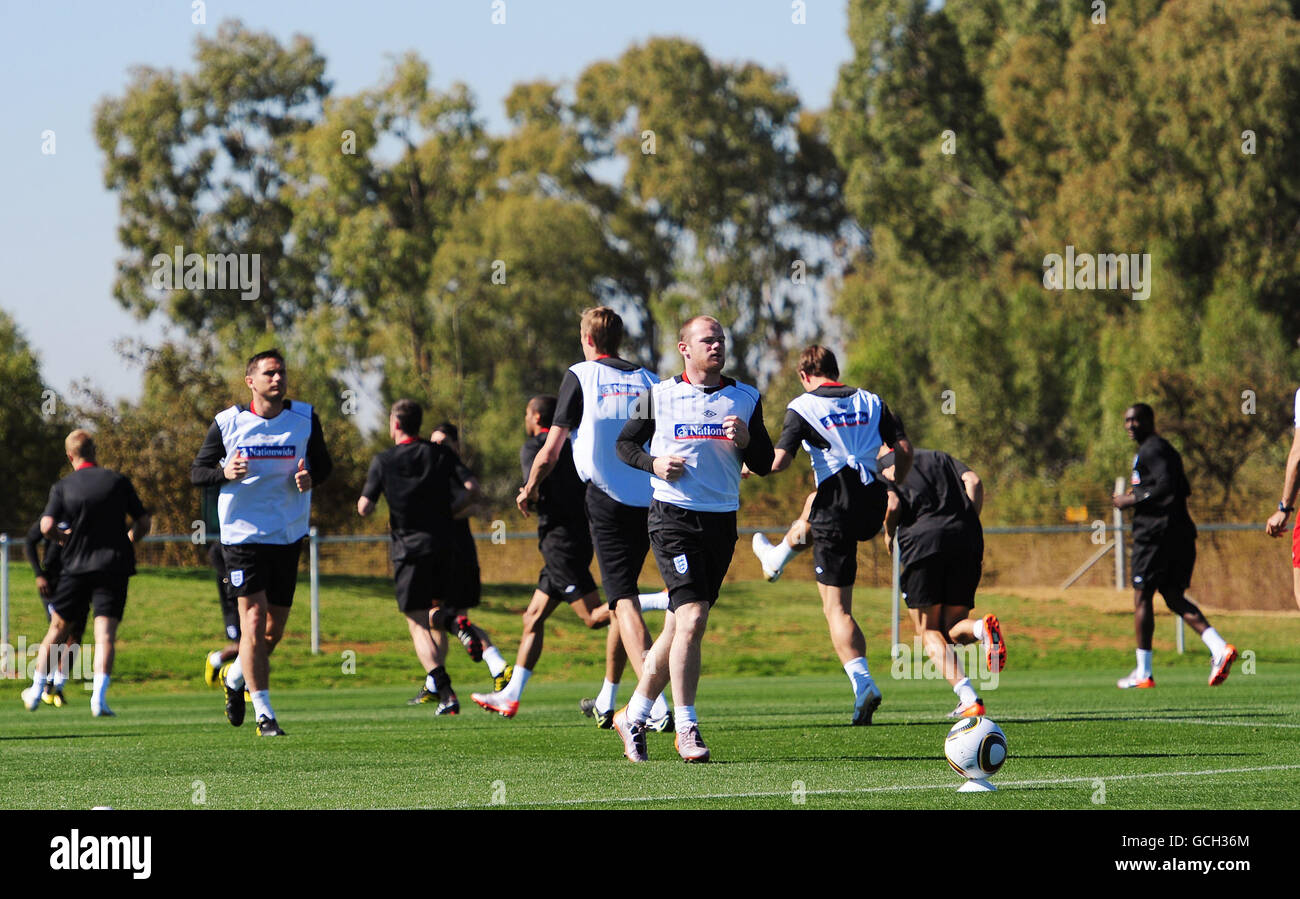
{"points": [[976, 748]]}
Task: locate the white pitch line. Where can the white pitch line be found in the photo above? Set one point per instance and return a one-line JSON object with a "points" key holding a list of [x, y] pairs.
{"points": [[1221, 723], [894, 788]]}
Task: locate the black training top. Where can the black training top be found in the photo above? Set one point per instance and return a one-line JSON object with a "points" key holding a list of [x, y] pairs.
{"points": [[1161, 489], [53, 563], [418, 479], [568, 403], [95, 503], [937, 515], [560, 495]]}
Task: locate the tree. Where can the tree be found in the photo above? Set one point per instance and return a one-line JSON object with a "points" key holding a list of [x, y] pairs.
{"points": [[33, 423]]}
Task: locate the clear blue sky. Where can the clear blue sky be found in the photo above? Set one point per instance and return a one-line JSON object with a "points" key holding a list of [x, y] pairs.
{"points": [[58, 244]]}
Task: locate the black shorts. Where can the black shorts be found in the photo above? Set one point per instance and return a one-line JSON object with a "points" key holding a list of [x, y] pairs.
{"points": [[464, 586], [422, 581], [947, 579], [229, 604], [693, 550], [843, 514], [621, 540], [78, 593], [1166, 565], [75, 627], [567, 551], [253, 567]]}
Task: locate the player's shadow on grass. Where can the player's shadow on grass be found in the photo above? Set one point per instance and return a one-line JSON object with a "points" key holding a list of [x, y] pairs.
{"points": [[68, 736]]}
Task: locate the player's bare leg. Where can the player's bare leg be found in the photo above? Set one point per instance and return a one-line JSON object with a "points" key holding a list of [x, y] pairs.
{"points": [[1222, 653], [1144, 625], [637, 643], [937, 625], [105, 654], [261, 629], [986, 630], [846, 636], [431, 658], [55, 634], [775, 556], [1295, 585], [530, 644]]}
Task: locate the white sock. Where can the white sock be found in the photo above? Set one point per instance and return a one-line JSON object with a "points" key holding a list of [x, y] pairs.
{"points": [[429, 684], [1144, 663], [214, 658], [653, 602], [686, 717], [1216, 643], [857, 668], [965, 692], [495, 663], [518, 680], [660, 708], [779, 555], [235, 676], [979, 628], [638, 709], [607, 696], [39, 680], [262, 704], [101, 687], [60, 678]]}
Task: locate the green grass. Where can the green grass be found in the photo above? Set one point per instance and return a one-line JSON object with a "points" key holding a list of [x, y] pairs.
{"points": [[774, 707]]}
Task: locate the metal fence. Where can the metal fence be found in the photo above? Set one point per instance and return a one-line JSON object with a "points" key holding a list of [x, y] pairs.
{"points": [[1114, 542]]}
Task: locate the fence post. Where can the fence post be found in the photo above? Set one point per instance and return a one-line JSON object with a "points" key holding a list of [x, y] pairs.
{"points": [[1118, 527], [314, 555], [1179, 635], [897, 592], [4, 605]]}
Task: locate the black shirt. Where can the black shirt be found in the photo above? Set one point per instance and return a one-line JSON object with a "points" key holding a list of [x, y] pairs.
{"points": [[1161, 489], [937, 515], [206, 469], [95, 502], [568, 404], [53, 563], [560, 495], [418, 479]]}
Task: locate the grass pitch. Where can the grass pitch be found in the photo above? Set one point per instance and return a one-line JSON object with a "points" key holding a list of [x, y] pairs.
{"points": [[774, 709]]}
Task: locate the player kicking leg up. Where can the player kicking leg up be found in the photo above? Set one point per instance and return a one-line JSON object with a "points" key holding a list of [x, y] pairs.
{"points": [[775, 556]]}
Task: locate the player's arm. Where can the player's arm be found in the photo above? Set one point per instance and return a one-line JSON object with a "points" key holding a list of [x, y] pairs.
{"points": [[141, 520], [463, 479], [54, 513], [974, 489], [372, 490], [31, 548], [316, 467], [895, 437], [638, 431], [543, 464], [787, 445], [759, 454], [1277, 521]]}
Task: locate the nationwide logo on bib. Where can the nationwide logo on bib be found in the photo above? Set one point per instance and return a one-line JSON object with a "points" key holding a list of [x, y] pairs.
{"points": [[268, 452], [699, 432], [621, 390], [845, 419]]}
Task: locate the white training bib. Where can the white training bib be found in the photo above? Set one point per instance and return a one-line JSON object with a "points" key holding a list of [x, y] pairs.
{"points": [[850, 424], [265, 506], [688, 423], [608, 401]]}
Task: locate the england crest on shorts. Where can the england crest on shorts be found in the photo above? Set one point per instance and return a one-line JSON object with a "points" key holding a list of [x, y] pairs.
{"points": [[679, 562], [237, 578]]}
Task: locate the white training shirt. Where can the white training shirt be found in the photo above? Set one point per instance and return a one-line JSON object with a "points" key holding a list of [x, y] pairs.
{"points": [[850, 424], [608, 401], [265, 506], [688, 423]]}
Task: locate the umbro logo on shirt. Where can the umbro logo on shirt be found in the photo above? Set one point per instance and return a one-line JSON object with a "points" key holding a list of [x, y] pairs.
{"points": [[709, 413]]}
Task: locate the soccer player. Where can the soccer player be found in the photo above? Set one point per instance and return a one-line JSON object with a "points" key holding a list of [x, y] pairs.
{"points": [[417, 476], [1290, 483], [217, 658], [1164, 547], [564, 539], [86, 514], [47, 583], [702, 427], [596, 398], [842, 428], [934, 520], [466, 589], [267, 458]]}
